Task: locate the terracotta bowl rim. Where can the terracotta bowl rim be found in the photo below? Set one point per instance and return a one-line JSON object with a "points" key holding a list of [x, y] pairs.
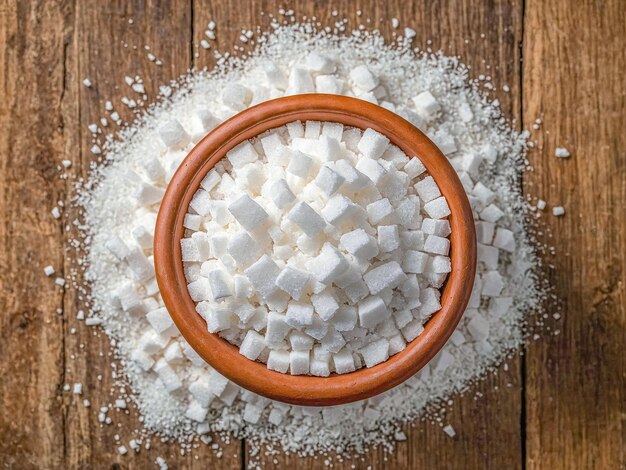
{"points": [[224, 357]]}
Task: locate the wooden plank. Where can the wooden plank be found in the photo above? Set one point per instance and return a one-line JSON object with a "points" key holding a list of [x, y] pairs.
{"points": [[489, 429], [111, 40], [36, 118], [574, 80]]}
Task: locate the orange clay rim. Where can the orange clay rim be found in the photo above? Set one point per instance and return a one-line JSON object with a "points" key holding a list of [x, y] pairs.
{"points": [[255, 376]]}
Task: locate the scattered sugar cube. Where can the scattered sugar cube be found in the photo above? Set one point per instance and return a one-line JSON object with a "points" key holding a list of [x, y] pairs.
{"points": [[174, 135], [558, 211], [505, 240], [561, 152], [48, 270], [363, 78], [426, 105]]}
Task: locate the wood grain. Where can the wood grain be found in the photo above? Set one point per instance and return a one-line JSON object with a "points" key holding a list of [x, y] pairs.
{"points": [[574, 80], [562, 406]]}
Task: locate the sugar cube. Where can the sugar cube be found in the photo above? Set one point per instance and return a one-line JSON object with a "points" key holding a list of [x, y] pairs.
{"points": [[492, 284], [300, 164], [388, 238], [325, 305], [281, 194], [427, 189], [363, 78], [505, 240], [319, 63], [221, 284], [277, 328], [426, 105], [262, 275], [360, 244], [437, 208], [491, 213], [307, 219], [300, 82], [437, 245], [328, 149], [344, 362], [414, 261], [328, 180], [293, 281], [248, 212], [242, 247], [372, 311], [375, 352], [338, 209], [372, 144], [174, 135], [278, 361], [252, 345], [328, 265], [377, 211], [372, 169], [478, 327], [299, 314], [439, 227], [299, 362], [329, 84]]}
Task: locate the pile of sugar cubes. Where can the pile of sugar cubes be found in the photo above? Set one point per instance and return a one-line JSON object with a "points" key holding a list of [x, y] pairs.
{"points": [[317, 248]]}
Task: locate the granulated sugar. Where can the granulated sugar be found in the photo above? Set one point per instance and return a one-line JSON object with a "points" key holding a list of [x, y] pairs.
{"points": [[467, 125]]}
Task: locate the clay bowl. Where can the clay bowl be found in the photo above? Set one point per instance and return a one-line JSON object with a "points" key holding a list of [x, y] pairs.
{"points": [[254, 376]]}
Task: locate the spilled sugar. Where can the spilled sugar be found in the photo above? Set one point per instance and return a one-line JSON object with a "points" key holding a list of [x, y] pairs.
{"points": [[108, 203]]}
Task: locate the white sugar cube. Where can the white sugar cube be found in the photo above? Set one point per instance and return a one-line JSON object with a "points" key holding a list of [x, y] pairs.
{"points": [[200, 391], [248, 212], [492, 284], [333, 129], [484, 232], [344, 362], [328, 180], [159, 319], [319, 63], [252, 345], [173, 353], [147, 194], [483, 193], [407, 213], [414, 168], [143, 237], [375, 352], [478, 327], [426, 105], [153, 169], [541, 204], [299, 362], [377, 211], [372, 144], [196, 412], [221, 284], [372, 311], [439, 227], [338, 209], [272, 146], [199, 289], [402, 317], [562, 152], [388, 238], [427, 189], [192, 221], [320, 368], [354, 179], [262, 275], [437, 208], [412, 330], [117, 247], [299, 314], [293, 281], [440, 264], [207, 119], [217, 383], [325, 305], [140, 265], [201, 203], [318, 329], [329, 84], [275, 75], [328, 265], [48, 270], [356, 291], [333, 341], [505, 240], [491, 213], [277, 328], [168, 377], [279, 361], [437, 245], [360, 244], [242, 154], [498, 306], [174, 135], [328, 149], [345, 318], [386, 276], [236, 96], [307, 219], [300, 82], [281, 194], [558, 211], [242, 247], [372, 169], [300, 164], [363, 78], [414, 262]]}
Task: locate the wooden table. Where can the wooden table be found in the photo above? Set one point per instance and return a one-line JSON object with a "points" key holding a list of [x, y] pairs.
{"points": [[560, 405]]}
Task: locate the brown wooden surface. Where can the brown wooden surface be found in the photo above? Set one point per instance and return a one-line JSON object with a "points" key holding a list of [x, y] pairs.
{"points": [[560, 406]]}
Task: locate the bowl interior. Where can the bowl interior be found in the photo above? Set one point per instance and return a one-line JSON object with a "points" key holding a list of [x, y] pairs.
{"points": [[225, 357]]}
